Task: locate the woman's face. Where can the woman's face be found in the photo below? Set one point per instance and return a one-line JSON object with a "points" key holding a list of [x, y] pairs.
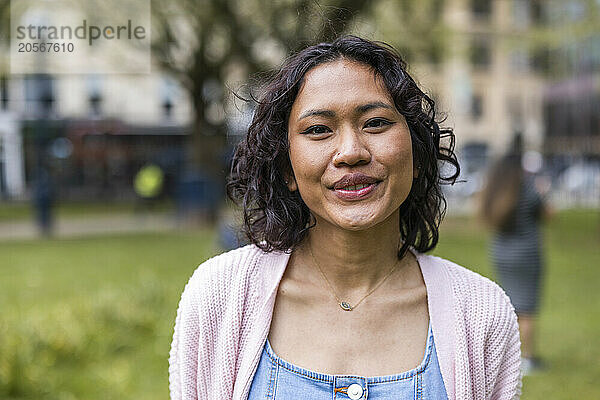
{"points": [[350, 148]]}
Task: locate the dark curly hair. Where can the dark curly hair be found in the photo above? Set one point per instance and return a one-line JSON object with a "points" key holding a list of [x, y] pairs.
{"points": [[276, 218]]}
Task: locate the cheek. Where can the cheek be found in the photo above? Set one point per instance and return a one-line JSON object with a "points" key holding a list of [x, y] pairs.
{"points": [[406, 156], [298, 165], [306, 163], [400, 158]]}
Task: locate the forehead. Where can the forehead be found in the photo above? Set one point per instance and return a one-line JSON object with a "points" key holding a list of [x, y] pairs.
{"points": [[340, 82]]}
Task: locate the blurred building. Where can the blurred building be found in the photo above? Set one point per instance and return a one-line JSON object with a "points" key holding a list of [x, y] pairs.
{"points": [[488, 82], [95, 133], [12, 159], [527, 66], [572, 96]]}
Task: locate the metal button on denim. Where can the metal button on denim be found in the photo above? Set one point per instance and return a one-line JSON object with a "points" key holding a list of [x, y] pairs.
{"points": [[355, 391]]}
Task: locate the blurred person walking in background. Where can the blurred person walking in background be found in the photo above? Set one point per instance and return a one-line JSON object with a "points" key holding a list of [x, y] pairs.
{"points": [[513, 207], [43, 200], [148, 185]]}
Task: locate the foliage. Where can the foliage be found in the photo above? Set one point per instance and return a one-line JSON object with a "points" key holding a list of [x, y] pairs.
{"points": [[416, 29], [98, 335]]}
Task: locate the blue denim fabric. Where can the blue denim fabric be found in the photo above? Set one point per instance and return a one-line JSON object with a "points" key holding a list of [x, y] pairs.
{"points": [[277, 379]]}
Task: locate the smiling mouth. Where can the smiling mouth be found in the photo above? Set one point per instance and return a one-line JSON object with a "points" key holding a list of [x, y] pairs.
{"points": [[356, 192], [355, 188]]}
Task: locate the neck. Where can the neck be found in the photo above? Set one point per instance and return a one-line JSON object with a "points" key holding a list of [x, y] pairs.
{"points": [[353, 261]]}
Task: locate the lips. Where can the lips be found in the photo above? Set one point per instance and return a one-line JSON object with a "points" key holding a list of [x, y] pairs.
{"points": [[354, 181]]}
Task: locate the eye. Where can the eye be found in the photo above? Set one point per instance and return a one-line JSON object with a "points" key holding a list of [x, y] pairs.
{"points": [[316, 130], [377, 123]]}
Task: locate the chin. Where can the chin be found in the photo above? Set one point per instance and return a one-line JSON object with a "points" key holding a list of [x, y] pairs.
{"points": [[358, 223]]}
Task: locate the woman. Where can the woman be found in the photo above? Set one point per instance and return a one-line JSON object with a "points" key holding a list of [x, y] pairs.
{"points": [[513, 208], [339, 182]]}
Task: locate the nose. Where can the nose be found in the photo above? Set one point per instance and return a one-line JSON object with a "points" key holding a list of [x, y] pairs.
{"points": [[351, 150]]}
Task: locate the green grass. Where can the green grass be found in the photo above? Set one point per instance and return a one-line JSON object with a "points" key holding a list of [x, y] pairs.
{"points": [[19, 211], [569, 322], [92, 318]]}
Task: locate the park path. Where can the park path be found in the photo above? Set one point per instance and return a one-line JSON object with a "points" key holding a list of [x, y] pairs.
{"points": [[68, 227]]}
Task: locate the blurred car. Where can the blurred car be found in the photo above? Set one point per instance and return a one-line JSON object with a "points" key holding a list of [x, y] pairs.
{"points": [[578, 185]]}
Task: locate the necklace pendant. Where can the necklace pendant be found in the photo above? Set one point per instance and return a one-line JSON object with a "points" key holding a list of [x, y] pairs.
{"points": [[345, 306]]}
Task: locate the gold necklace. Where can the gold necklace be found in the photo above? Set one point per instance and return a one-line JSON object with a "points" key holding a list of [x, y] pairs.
{"points": [[344, 304]]}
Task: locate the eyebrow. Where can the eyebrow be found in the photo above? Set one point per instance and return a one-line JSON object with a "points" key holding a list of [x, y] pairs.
{"points": [[360, 109]]}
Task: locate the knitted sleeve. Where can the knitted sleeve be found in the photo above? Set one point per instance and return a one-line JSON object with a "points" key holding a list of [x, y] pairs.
{"points": [[503, 351], [486, 345], [183, 357], [203, 360]]}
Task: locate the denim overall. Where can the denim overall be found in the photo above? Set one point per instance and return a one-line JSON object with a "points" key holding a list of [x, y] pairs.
{"points": [[277, 379]]}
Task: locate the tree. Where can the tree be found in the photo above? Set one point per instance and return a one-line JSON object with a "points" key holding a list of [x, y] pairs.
{"points": [[4, 37], [211, 44]]}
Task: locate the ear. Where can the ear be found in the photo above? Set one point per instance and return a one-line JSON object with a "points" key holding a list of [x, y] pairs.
{"points": [[415, 172]]}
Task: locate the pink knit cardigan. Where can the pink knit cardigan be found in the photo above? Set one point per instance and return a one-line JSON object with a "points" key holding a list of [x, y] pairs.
{"points": [[225, 314]]}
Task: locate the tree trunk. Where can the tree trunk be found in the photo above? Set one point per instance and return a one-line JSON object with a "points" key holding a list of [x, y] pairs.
{"points": [[206, 161]]}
